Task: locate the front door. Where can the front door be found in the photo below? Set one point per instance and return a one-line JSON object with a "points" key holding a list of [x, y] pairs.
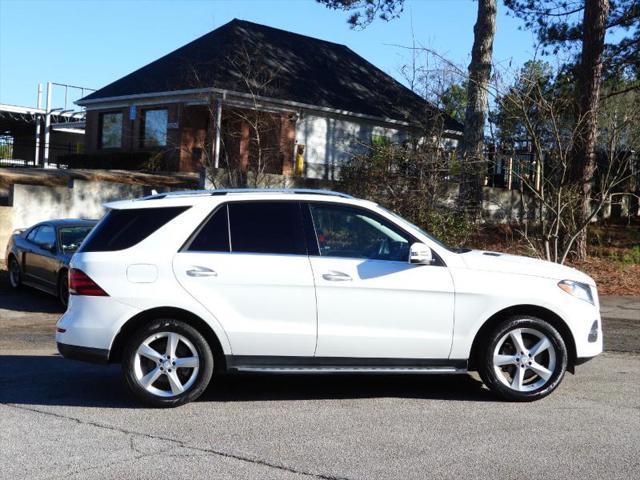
{"points": [[372, 303], [248, 266]]}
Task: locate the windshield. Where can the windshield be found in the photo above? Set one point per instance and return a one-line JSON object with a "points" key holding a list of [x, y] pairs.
{"points": [[429, 236], [72, 237]]}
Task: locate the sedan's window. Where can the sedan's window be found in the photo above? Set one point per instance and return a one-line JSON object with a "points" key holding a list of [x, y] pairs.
{"points": [[72, 237], [213, 236], [353, 233], [32, 235], [267, 227], [46, 236]]}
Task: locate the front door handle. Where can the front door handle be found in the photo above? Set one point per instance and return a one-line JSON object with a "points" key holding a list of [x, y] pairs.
{"points": [[335, 276], [197, 271]]}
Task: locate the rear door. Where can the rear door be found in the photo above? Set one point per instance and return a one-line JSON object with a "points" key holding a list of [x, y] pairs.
{"points": [[248, 265], [28, 248]]}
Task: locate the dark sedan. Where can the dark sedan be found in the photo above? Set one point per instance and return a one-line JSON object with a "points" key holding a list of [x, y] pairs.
{"points": [[39, 256]]}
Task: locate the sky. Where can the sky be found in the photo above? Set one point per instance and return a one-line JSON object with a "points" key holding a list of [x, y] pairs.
{"points": [[91, 43]]}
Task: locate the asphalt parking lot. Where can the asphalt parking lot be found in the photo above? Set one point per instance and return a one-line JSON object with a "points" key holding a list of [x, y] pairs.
{"points": [[64, 419]]}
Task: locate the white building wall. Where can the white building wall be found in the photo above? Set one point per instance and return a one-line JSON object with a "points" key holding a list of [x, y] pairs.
{"points": [[330, 141]]}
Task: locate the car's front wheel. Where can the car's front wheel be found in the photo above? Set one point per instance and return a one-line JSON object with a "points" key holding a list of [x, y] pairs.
{"points": [[524, 359], [15, 274], [167, 363]]}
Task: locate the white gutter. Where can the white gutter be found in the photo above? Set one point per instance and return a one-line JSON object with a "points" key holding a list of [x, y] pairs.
{"points": [[223, 92]]}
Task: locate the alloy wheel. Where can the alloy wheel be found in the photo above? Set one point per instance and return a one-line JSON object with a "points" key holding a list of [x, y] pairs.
{"points": [[14, 273], [524, 359], [166, 364]]}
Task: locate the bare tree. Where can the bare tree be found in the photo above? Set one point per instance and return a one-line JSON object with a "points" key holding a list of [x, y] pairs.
{"points": [[544, 114], [472, 146]]}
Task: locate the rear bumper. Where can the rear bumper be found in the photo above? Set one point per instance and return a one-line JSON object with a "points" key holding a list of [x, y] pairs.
{"points": [[84, 354]]}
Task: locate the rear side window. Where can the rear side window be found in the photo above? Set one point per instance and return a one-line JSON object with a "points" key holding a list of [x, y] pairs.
{"points": [[121, 229], [267, 227], [213, 236]]}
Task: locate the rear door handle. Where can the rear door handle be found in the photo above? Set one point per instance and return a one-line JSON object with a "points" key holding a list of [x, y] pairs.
{"points": [[335, 276], [197, 271]]}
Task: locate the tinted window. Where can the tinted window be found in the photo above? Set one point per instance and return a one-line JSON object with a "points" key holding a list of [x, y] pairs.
{"points": [[213, 236], [72, 237], [32, 234], [266, 227], [354, 233], [121, 229], [46, 236]]}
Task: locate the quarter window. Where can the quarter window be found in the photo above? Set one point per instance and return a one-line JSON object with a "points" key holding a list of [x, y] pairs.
{"points": [[154, 128], [121, 229], [353, 233], [214, 234], [266, 227], [111, 130]]}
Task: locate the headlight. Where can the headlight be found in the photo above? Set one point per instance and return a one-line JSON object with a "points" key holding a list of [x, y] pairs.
{"points": [[578, 290]]}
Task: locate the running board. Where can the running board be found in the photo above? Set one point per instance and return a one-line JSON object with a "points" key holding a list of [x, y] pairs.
{"points": [[379, 370], [286, 364]]}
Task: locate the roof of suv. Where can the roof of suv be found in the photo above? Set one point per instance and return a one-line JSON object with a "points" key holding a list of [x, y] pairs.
{"points": [[189, 196]]}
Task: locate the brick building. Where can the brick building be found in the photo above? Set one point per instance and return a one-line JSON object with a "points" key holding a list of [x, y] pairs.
{"points": [[246, 94]]}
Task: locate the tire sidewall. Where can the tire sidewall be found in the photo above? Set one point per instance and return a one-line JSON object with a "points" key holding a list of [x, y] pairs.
{"points": [[523, 321], [13, 263], [63, 296], [203, 349]]}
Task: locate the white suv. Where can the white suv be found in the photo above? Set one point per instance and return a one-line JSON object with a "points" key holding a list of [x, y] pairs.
{"points": [[177, 287]]}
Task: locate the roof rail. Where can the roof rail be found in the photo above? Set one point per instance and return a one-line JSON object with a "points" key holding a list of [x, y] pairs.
{"points": [[195, 193]]}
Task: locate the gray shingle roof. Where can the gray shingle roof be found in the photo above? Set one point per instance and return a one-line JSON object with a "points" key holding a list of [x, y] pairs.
{"points": [[299, 68]]}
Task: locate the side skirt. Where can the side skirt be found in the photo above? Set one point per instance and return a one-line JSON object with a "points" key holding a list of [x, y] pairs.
{"points": [[283, 364]]}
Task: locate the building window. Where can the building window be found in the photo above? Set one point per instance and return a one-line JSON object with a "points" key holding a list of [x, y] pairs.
{"points": [[154, 128], [111, 130]]}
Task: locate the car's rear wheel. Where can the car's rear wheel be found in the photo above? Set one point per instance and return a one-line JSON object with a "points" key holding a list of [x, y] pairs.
{"points": [[15, 274], [524, 359], [167, 363], [63, 288]]}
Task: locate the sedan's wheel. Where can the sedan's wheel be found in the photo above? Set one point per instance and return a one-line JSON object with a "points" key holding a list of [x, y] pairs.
{"points": [[167, 363], [525, 359], [15, 275], [63, 288]]}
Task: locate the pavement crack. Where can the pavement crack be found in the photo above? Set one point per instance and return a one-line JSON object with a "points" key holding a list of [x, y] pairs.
{"points": [[179, 443]]}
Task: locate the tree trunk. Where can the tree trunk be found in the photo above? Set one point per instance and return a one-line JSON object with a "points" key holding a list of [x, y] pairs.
{"points": [[588, 92], [472, 146]]}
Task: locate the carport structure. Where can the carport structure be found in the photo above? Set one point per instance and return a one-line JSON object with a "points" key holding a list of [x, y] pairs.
{"points": [[36, 136]]}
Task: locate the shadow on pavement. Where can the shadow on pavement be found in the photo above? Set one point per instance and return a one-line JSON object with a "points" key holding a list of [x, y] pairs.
{"points": [[52, 380], [26, 299]]}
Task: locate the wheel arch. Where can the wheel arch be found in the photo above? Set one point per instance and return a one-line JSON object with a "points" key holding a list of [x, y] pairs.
{"points": [[135, 322], [534, 310]]}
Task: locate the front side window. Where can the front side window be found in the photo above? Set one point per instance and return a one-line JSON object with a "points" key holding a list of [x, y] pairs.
{"points": [[32, 235], [46, 236], [267, 227], [111, 130], [154, 128], [354, 233], [121, 229]]}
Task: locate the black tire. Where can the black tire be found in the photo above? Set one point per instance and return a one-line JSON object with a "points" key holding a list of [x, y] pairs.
{"points": [[496, 381], [15, 273], [63, 288], [162, 327]]}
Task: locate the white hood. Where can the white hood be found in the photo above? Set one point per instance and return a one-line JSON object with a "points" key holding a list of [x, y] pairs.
{"points": [[515, 264]]}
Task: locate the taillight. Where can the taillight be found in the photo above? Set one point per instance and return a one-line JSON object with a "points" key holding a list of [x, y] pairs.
{"points": [[81, 284]]}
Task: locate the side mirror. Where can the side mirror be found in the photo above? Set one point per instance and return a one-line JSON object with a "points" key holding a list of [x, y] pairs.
{"points": [[420, 254]]}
